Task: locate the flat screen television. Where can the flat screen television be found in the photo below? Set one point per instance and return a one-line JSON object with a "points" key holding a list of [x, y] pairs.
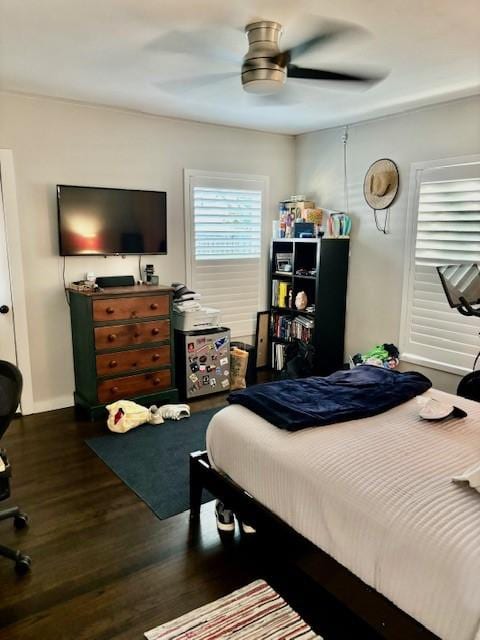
{"points": [[102, 221]]}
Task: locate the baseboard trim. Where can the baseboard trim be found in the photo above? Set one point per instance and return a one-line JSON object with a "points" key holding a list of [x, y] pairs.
{"points": [[62, 402]]}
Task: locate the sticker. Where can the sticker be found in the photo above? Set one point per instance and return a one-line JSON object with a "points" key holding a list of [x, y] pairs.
{"points": [[206, 380], [210, 368], [191, 347], [225, 383], [193, 377], [194, 367], [202, 368], [226, 373], [203, 359], [220, 343], [218, 371], [202, 349], [223, 362], [213, 382], [200, 341], [214, 356]]}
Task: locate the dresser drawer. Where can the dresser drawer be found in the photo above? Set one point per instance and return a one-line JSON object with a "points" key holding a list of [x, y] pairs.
{"points": [[127, 308], [119, 388], [112, 363], [124, 335]]}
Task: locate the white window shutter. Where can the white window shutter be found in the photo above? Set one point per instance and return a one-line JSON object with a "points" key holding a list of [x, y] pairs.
{"points": [[447, 232], [225, 218]]}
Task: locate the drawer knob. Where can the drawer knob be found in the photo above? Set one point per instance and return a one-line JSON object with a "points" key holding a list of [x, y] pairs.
{"points": [[110, 310], [155, 331], [134, 313], [114, 389], [137, 334], [155, 357], [154, 306], [112, 337], [156, 381], [112, 364], [134, 364]]}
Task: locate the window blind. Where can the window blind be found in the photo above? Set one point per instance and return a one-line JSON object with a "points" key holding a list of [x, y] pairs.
{"points": [[447, 232], [225, 247], [227, 223]]}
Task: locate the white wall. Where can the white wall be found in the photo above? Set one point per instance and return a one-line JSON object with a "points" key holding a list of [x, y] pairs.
{"points": [[61, 142], [376, 265]]}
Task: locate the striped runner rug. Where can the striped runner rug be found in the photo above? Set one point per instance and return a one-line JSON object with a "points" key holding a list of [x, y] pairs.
{"points": [[255, 612]]}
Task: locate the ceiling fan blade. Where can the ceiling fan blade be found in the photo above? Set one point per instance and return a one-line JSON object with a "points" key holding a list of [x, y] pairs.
{"points": [[318, 74], [334, 31], [207, 44], [184, 85]]}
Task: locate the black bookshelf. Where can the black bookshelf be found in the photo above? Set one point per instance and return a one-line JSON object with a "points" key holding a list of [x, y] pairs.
{"points": [[326, 288]]}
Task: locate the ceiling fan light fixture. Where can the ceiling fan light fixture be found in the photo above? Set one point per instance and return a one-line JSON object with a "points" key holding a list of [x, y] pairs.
{"points": [[263, 87]]}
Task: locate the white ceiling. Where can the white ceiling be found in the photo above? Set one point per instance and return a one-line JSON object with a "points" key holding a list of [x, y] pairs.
{"points": [[108, 52]]}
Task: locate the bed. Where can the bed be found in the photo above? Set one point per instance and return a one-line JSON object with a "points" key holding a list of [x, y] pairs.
{"points": [[375, 495]]}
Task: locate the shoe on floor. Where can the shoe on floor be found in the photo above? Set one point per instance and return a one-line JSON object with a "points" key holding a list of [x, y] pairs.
{"points": [[246, 528], [225, 518], [155, 415], [175, 411]]}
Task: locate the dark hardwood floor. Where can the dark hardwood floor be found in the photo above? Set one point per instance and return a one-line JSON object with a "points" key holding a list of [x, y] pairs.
{"points": [[104, 566]]}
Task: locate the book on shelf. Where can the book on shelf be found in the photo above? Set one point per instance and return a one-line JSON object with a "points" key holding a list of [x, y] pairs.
{"points": [[280, 293], [288, 328], [278, 356]]}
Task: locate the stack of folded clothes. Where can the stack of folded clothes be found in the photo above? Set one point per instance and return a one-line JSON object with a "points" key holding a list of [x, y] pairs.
{"points": [[184, 299]]}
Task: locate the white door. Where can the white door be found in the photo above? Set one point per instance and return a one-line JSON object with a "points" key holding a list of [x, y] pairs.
{"points": [[7, 336]]}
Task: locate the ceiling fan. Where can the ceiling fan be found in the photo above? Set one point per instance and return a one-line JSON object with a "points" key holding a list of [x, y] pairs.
{"points": [[265, 67]]}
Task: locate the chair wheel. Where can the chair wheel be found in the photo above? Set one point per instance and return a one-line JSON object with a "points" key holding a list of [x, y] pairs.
{"points": [[20, 521], [22, 565]]}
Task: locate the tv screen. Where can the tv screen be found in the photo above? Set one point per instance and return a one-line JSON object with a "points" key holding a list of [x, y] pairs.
{"points": [[101, 221]]}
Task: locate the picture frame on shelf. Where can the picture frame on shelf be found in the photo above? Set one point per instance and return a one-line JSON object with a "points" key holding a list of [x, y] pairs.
{"points": [[261, 339], [283, 262]]}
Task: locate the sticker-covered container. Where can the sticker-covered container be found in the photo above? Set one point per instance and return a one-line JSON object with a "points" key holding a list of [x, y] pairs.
{"points": [[202, 361]]}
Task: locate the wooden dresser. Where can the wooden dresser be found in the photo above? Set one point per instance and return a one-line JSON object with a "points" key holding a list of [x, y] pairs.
{"points": [[122, 347]]}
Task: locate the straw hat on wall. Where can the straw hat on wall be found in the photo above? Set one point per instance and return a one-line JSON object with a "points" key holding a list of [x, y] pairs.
{"points": [[380, 186]]}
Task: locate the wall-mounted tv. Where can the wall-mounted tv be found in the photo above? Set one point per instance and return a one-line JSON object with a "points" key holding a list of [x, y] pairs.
{"points": [[102, 221]]}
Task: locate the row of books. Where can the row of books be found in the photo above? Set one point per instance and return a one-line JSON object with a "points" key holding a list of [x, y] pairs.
{"points": [[287, 328], [281, 294]]}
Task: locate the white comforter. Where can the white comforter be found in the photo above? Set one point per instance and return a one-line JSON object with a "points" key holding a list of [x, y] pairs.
{"points": [[377, 495]]}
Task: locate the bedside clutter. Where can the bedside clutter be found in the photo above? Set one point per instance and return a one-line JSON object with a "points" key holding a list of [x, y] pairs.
{"points": [[122, 346]]}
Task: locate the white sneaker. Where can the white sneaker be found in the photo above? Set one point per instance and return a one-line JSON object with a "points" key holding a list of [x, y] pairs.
{"points": [[246, 528], [175, 411], [155, 415], [225, 519]]}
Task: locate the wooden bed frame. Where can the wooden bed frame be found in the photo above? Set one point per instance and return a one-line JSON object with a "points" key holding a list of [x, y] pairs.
{"points": [[369, 605]]}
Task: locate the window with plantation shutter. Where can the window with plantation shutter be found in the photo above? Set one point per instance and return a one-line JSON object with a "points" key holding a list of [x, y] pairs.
{"points": [[225, 254], [444, 229]]}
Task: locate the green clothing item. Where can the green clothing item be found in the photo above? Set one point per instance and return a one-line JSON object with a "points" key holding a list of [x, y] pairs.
{"points": [[376, 352]]}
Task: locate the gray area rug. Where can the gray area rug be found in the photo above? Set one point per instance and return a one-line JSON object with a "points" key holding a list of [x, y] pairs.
{"points": [[153, 460]]}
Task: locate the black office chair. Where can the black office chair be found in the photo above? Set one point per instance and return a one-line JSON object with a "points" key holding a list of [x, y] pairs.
{"points": [[11, 384]]}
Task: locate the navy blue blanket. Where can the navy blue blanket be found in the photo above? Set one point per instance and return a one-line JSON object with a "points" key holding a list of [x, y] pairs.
{"points": [[345, 395]]}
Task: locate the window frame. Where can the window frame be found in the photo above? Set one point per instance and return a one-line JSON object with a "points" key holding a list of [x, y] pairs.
{"points": [[265, 230], [417, 170]]}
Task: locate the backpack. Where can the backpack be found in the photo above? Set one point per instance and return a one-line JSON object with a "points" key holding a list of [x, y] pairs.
{"points": [[299, 358]]}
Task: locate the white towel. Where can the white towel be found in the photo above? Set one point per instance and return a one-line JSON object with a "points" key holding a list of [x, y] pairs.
{"points": [[470, 475], [187, 305]]}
